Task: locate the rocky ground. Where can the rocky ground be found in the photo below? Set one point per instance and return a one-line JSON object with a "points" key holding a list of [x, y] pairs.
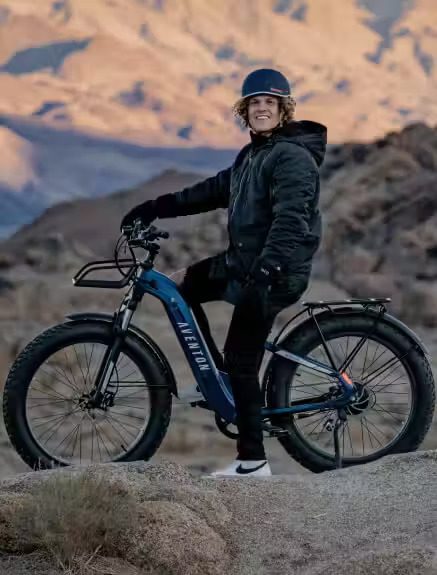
{"points": [[379, 519]]}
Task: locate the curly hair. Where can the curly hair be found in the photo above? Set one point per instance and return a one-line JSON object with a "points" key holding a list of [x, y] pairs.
{"points": [[287, 107]]}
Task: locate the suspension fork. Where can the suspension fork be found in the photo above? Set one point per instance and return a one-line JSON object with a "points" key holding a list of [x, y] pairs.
{"points": [[120, 327]]}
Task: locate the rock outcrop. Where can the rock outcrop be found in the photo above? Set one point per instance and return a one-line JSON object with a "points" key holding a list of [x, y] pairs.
{"points": [[379, 519], [380, 206]]}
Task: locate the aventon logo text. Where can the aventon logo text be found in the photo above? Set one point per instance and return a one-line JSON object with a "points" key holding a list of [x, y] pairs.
{"points": [[193, 344]]}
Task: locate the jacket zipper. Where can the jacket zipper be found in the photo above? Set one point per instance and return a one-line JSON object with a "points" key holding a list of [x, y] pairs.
{"points": [[244, 181]]}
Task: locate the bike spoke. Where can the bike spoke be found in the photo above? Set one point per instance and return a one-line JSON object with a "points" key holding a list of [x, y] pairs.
{"points": [[346, 356], [370, 433], [323, 430], [50, 375], [320, 421], [125, 361], [68, 436], [54, 427], [387, 365], [98, 444], [87, 367], [130, 394], [384, 392], [368, 421], [350, 438], [126, 415], [92, 441], [80, 367], [63, 422], [374, 361], [79, 425], [130, 373], [369, 427], [365, 361], [71, 371], [62, 415], [390, 413], [54, 394], [122, 426], [119, 403], [362, 434], [118, 433], [38, 405], [108, 437], [117, 415], [377, 387], [98, 361]]}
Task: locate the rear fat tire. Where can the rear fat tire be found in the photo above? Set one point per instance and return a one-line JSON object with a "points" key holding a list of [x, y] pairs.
{"points": [[304, 339], [44, 346]]}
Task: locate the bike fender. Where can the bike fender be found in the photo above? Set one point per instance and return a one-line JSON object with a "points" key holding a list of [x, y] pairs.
{"points": [[385, 318], [146, 340], [401, 326]]}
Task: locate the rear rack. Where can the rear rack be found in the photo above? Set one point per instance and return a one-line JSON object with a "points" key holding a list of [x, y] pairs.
{"points": [[80, 281], [352, 301]]}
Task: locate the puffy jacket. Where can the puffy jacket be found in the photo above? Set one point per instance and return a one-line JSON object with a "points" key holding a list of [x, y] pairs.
{"points": [[271, 193]]}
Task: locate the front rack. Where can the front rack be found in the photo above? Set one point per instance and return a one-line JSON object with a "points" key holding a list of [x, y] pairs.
{"points": [[80, 281]]}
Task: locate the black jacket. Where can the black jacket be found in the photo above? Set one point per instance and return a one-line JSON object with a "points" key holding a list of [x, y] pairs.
{"points": [[271, 192]]}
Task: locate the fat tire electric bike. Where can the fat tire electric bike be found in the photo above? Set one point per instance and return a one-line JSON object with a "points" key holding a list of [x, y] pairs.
{"points": [[347, 385]]}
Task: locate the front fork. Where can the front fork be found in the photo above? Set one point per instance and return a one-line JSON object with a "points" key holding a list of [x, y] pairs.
{"points": [[120, 326]]}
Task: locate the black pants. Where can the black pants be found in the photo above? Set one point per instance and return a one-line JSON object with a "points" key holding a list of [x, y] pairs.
{"points": [[243, 352]]}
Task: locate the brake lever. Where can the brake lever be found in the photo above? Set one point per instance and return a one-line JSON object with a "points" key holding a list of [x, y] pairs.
{"points": [[125, 230]]}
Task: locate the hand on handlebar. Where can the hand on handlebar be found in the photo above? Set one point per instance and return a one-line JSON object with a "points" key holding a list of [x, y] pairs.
{"points": [[138, 233], [133, 229], [146, 212]]}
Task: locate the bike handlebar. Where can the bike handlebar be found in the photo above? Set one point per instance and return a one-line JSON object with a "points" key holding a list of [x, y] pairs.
{"points": [[139, 234]]}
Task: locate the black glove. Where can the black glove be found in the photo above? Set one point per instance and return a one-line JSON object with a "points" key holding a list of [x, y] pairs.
{"points": [[146, 212], [255, 290], [162, 207], [263, 273]]}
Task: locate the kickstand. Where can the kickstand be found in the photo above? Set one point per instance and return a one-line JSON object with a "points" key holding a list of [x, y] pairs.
{"points": [[341, 418]]}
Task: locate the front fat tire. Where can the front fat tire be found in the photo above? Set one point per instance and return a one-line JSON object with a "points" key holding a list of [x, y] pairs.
{"points": [[55, 339], [302, 341]]}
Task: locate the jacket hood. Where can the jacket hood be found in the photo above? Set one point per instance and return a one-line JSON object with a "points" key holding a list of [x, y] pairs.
{"points": [[305, 133]]}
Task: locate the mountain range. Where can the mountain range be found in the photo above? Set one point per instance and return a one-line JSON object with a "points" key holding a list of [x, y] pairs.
{"points": [[100, 95]]}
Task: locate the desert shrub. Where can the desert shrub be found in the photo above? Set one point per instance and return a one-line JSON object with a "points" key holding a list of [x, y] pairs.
{"points": [[77, 519]]}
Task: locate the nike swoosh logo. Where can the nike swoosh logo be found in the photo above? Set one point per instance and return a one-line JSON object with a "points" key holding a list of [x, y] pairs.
{"points": [[243, 471]]}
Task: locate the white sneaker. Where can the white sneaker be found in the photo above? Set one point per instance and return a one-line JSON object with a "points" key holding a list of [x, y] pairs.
{"points": [[238, 468]]}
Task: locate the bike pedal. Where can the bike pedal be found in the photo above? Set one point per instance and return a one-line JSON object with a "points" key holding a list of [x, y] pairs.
{"points": [[279, 433], [191, 396], [274, 431]]}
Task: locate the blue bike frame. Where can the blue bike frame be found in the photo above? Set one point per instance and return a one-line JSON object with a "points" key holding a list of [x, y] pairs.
{"points": [[213, 383]]}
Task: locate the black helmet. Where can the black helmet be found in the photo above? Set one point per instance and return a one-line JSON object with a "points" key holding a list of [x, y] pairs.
{"points": [[265, 81]]}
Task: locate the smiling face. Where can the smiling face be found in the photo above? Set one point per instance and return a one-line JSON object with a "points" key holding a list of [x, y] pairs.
{"points": [[263, 113]]}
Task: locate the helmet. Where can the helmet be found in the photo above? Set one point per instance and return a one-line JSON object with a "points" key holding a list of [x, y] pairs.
{"points": [[265, 81]]}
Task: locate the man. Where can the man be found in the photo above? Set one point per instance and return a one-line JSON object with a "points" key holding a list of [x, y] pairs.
{"points": [[271, 193]]}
